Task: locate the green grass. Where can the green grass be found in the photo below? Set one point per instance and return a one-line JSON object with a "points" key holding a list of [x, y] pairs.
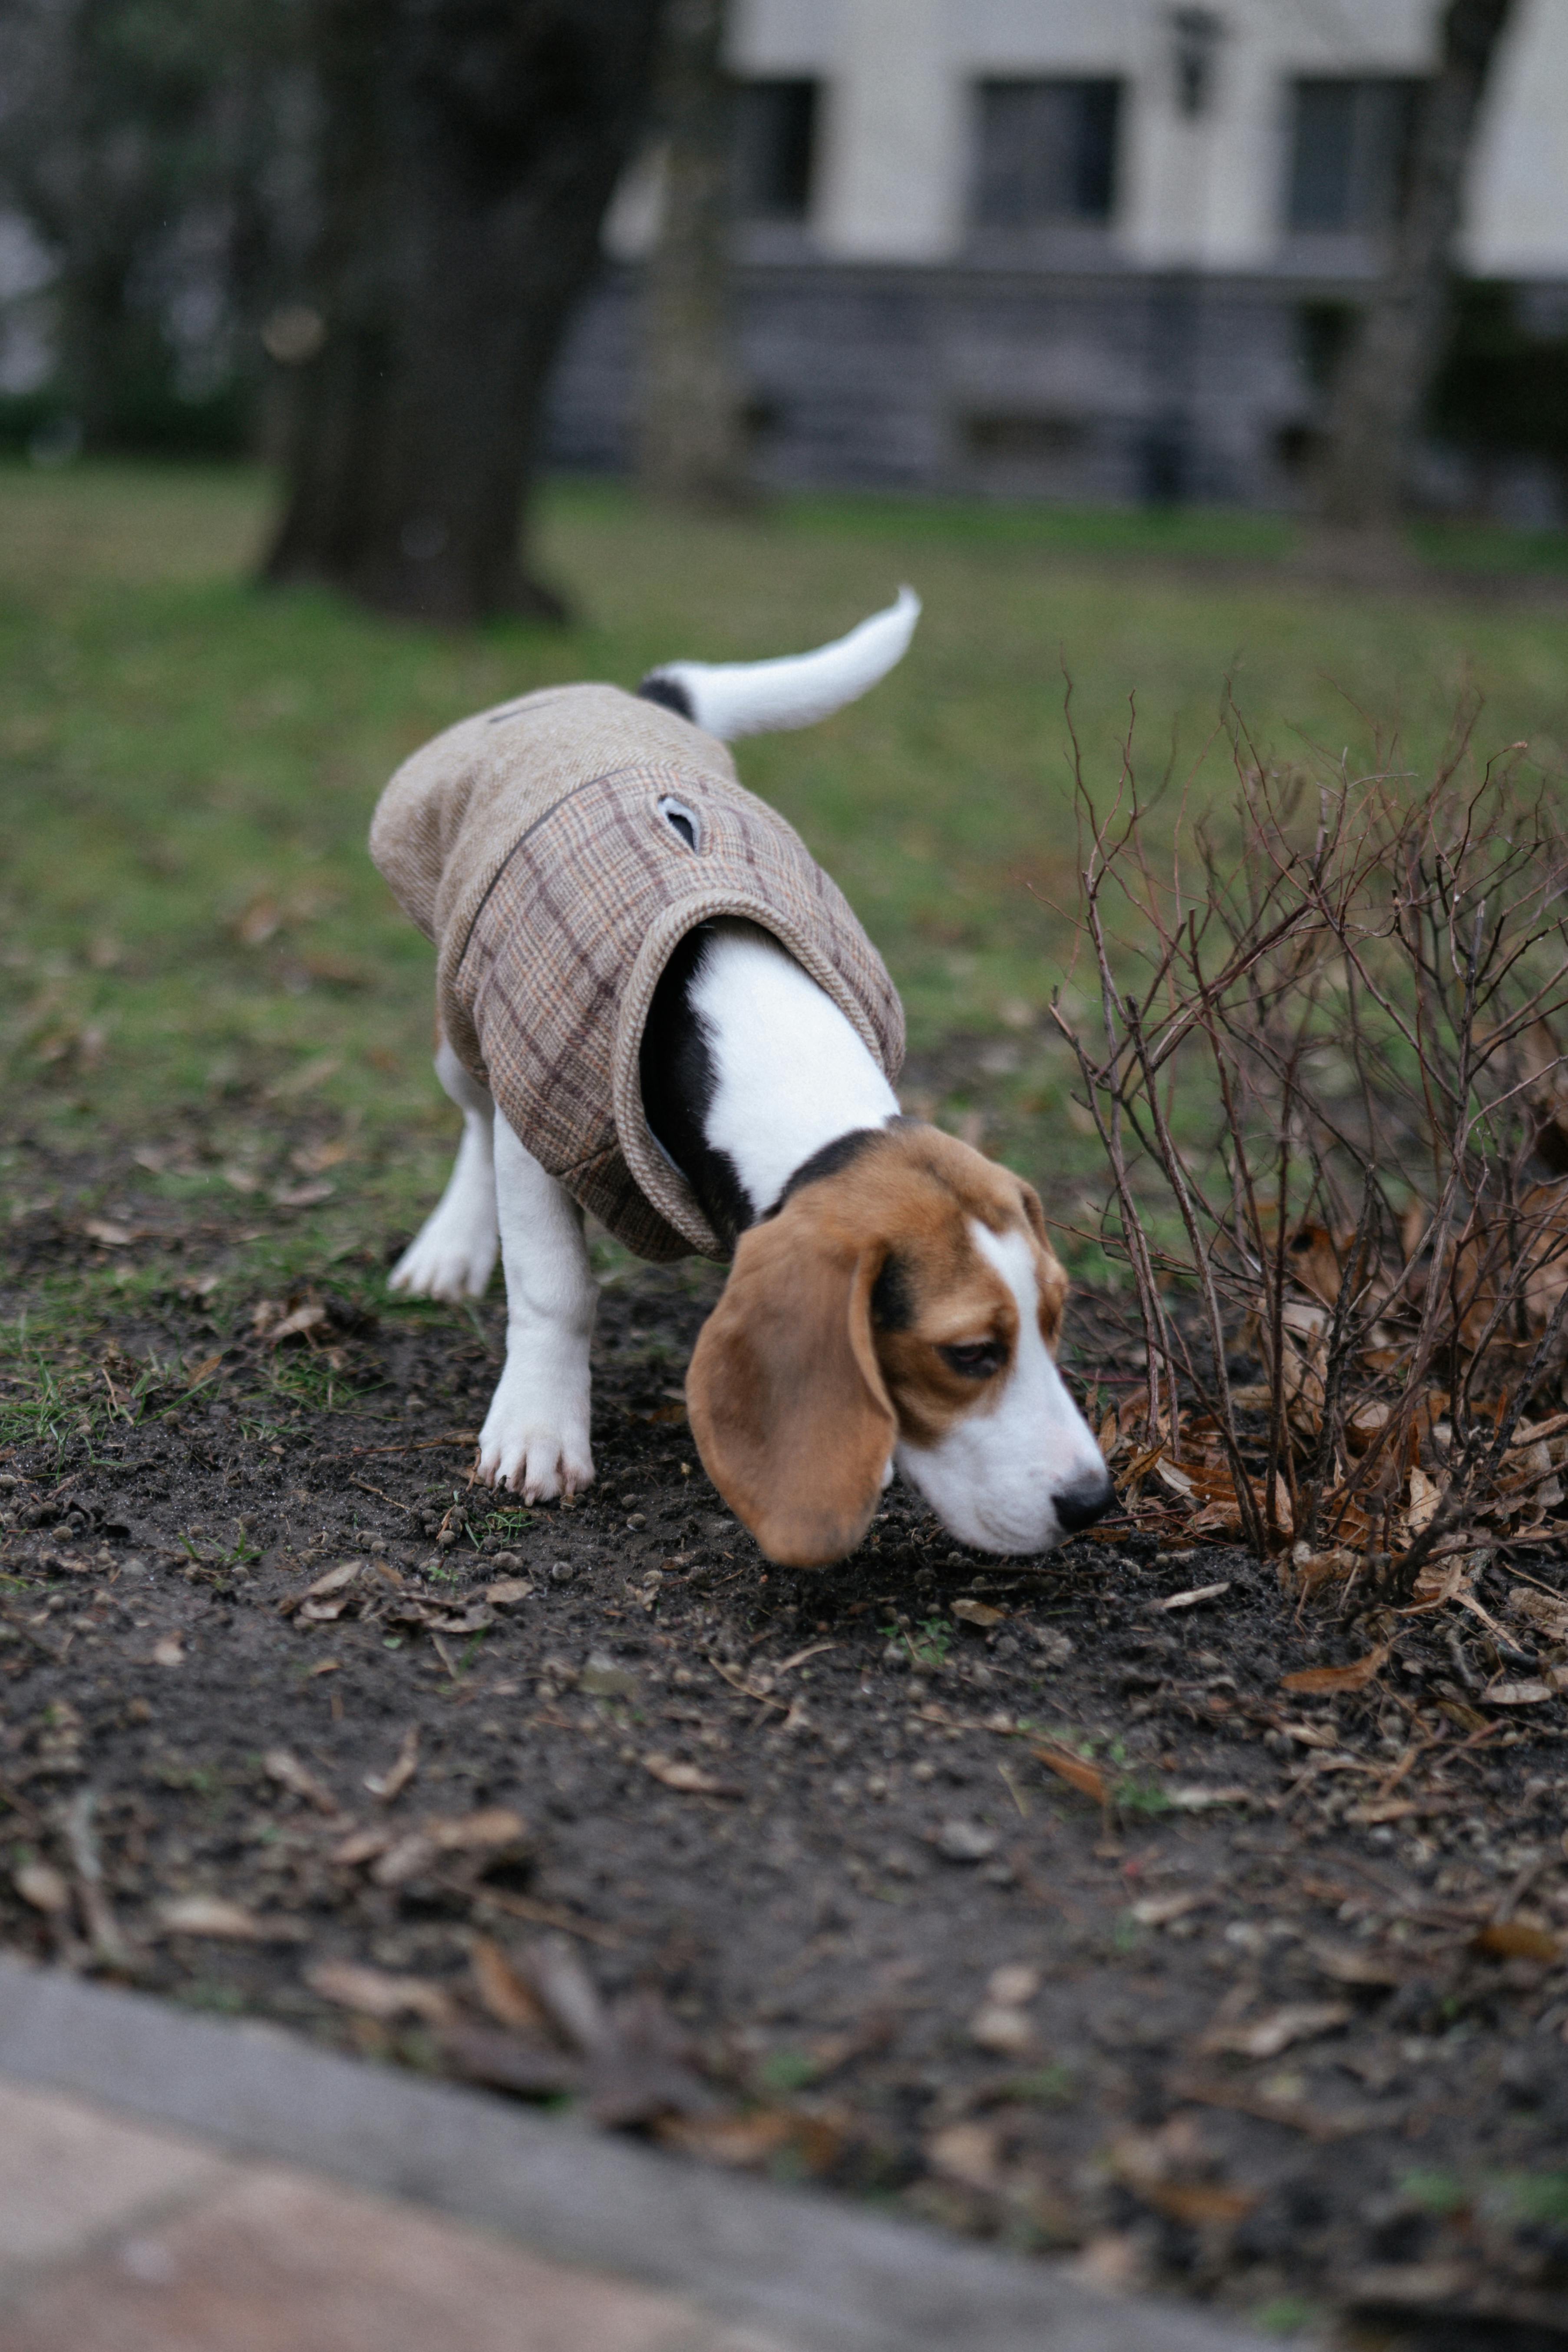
{"points": [[193, 941]]}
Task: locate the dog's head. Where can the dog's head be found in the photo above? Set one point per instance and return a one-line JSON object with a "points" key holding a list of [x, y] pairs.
{"points": [[902, 1306]]}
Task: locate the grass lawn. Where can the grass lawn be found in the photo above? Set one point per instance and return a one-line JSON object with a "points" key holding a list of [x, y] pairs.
{"points": [[192, 940]]}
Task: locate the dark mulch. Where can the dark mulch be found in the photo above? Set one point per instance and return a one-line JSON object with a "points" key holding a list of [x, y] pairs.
{"points": [[1284, 2023]]}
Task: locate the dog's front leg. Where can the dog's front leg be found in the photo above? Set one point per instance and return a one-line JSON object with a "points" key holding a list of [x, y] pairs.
{"points": [[535, 1437]]}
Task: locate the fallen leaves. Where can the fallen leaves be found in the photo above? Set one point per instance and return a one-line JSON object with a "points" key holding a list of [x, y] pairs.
{"points": [[226, 1922], [1194, 1798], [388, 1786], [979, 1613], [1079, 1773], [1312, 1681], [1518, 1939], [1266, 2037], [287, 1771], [43, 1887], [1000, 2026], [487, 1835], [373, 1992], [687, 1779]]}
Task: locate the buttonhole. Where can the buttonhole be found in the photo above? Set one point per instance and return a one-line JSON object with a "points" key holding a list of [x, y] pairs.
{"points": [[681, 820]]}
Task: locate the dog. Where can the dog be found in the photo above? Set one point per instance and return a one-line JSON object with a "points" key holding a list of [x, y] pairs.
{"points": [[653, 1004]]}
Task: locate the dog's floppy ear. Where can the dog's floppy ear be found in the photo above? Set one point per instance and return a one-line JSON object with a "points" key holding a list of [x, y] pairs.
{"points": [[787, 1402]]}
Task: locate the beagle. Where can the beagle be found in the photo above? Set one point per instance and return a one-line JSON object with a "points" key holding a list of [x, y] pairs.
{"points": [[893, 1301]]}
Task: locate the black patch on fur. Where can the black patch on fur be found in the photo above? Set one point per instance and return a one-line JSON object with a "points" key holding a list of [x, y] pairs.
{"points": [[892, 1300], [826, 1162], [668, 693], [676, 1070]]}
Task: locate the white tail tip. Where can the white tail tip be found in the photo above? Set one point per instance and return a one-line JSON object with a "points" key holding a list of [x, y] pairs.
{"points": [[734, 699]]}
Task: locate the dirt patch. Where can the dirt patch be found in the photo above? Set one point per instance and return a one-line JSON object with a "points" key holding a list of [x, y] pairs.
{"points": [[1023, 1892]]}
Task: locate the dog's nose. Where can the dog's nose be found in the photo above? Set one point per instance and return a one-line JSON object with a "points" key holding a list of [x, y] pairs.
{"points": [[1086, 1499]]}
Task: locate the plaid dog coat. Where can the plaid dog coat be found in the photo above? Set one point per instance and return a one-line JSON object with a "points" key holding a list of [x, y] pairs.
{"points": [[543, 847]]}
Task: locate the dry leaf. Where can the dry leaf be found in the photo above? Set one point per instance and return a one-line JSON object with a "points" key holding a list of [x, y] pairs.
{"points": [[226, 1922], [336, 1580], [303, 1196], [289, 1773], [43, 1887], [1191, 1599], [108, 1234], [1196, 1799], [969, 2153], [978, 1613], [372, 1992], [1159, 1910], [811, 2144], [1544, 1611], [1425, 1496], [505, 1994], [258, 923], [1265, 2037], [489, 1828], [529, 2070], [1088, 1777], [1520, 1694], [508, 1592], [312, 1316], [1351, 1964], [201, 1371], [687, 1779], [1516, 1939], [385, 1786], [314, 1159], [1353, 1677], [362, 1845]]}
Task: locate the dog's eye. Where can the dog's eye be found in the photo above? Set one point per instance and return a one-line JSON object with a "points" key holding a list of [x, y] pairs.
{"points": [[974, 1360]]}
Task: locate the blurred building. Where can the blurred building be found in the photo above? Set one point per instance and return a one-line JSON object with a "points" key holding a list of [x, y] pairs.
{"points": [[1035, 248]]}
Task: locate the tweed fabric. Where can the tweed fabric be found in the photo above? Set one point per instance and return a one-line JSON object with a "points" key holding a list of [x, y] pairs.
{"points": [[529, 844]]}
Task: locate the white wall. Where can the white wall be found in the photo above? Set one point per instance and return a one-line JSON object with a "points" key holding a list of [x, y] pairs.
{"points": [[894, 164]]}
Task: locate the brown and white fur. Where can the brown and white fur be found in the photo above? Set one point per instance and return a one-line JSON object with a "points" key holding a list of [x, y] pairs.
{"points": [[894, 1302]]}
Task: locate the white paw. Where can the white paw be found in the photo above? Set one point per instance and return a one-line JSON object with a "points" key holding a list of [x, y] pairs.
{"points": [[538, 1449], [447, 1259]]}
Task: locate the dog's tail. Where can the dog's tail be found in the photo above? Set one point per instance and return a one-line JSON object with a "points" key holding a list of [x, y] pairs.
{"points": [[734, 699]]}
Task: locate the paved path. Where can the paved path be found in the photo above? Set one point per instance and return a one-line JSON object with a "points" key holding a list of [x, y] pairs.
{"points": [[171, 2184]]}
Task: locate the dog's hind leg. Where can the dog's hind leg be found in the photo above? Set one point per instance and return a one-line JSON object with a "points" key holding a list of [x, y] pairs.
{"points": [[535, 1437], [454, 1254]]}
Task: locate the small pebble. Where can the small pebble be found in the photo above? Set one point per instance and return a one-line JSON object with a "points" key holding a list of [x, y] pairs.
{"points": [[562, 1571], [959, 1840], [1006, 2032], [1013, 1986], [637, 1519]]}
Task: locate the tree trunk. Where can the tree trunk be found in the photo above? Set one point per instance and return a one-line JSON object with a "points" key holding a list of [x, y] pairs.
{"points": [[469, 148], [1385, 375], [692, 445]]}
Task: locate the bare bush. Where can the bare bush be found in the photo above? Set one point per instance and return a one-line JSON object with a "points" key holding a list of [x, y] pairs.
{"points": [[1327, 1076]]}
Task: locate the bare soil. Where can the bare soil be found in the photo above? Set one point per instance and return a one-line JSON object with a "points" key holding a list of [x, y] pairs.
{"points": [[732, 1855]]}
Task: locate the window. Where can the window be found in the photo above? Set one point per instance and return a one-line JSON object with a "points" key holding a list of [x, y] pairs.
{"points": [[1350, 143], [1046, 153], [775, 135]]}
